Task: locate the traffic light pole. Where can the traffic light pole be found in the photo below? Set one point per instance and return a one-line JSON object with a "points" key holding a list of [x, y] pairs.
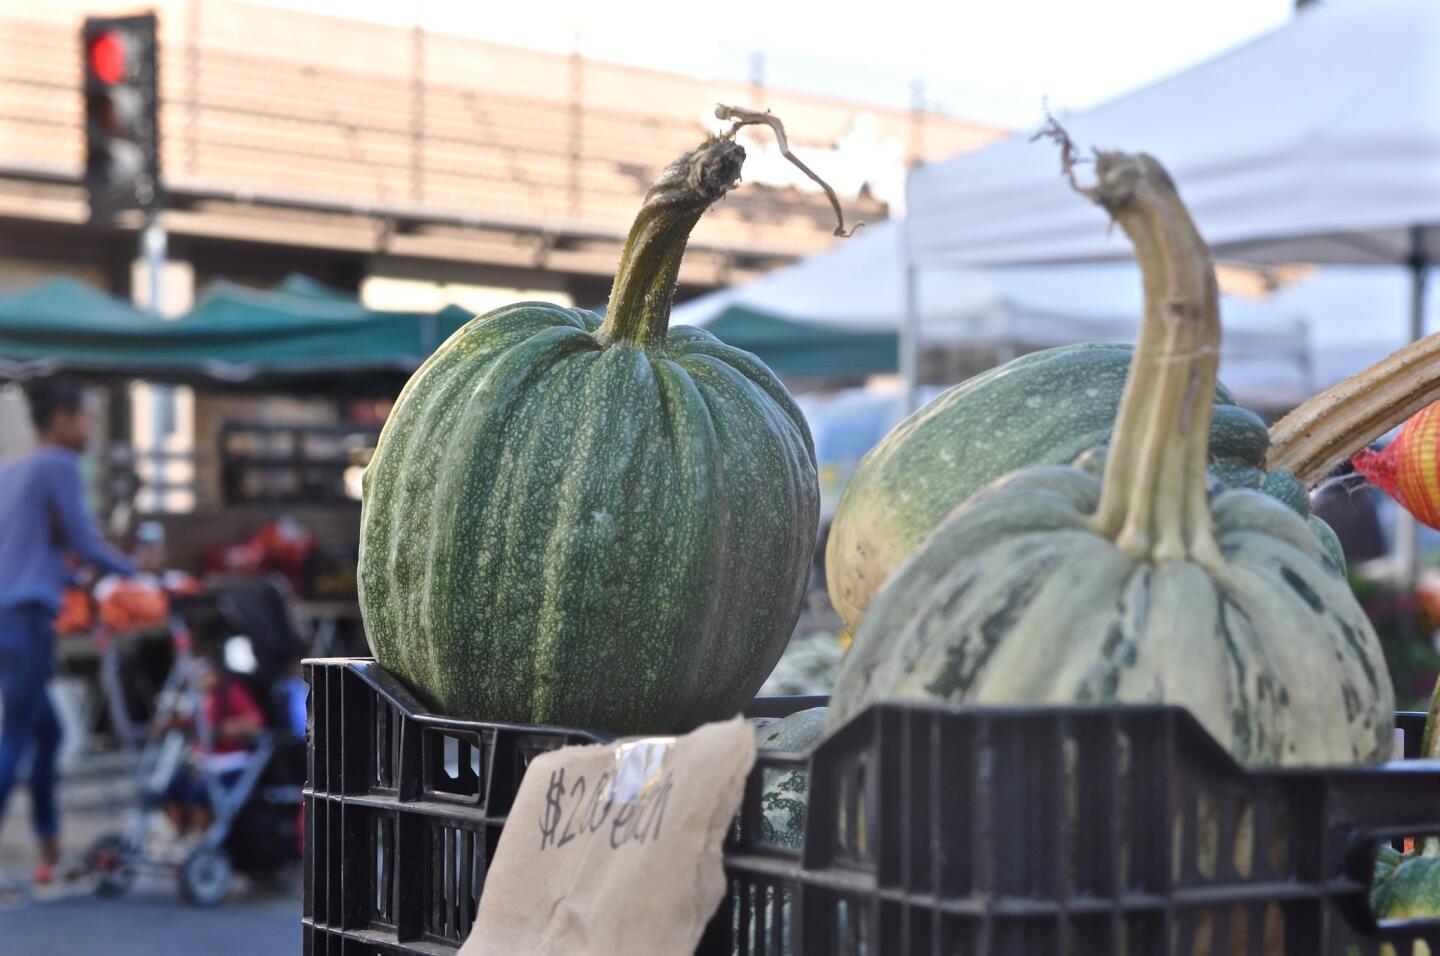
{"points": [[162, 398], [153, 244]]}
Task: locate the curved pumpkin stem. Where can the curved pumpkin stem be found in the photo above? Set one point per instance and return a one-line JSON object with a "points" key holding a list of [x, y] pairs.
{"points": [[1153, 501], [1331, 427], [640, 299], [639, 309]]}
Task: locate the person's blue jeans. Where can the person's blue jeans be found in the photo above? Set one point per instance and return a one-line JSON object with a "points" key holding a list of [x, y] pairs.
{"points": [[27, 661]]}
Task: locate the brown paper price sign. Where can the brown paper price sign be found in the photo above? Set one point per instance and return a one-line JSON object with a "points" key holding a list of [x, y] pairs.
{"points": [[615, 848], [627, 802]]}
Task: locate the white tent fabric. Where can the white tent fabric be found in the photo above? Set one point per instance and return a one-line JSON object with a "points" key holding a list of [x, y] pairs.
{"points": [[1357, 315], [858, 286], [1318, 142]]}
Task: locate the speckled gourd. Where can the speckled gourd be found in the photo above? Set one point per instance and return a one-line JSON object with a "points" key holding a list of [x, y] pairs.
{"points": [[1052, 587], [587, 521]]}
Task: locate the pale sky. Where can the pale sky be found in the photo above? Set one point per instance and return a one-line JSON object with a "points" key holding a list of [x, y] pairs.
{"points": [[990, 61]]}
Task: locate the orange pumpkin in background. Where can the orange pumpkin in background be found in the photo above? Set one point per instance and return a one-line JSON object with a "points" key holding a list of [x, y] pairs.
{"points": [[76, 615], [1406, 469], [131, 603]]}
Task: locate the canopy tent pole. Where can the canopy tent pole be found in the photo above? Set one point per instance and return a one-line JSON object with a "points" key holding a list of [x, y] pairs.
{"points": [[1419, 269], [1407, 529], [909, 339]]}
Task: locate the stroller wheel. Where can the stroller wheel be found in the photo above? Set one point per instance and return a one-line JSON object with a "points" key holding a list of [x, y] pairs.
{"points": [[205, 877], [112, 860]]}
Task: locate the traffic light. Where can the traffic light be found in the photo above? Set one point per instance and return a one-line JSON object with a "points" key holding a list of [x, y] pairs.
{"points": [[122, 123]]}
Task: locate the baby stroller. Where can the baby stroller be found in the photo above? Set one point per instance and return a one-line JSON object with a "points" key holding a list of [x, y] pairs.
{"points": [[255, 797]]}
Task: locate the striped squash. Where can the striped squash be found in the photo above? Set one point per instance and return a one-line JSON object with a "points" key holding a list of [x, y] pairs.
{"points": [[1053, 587], [600, 523]]}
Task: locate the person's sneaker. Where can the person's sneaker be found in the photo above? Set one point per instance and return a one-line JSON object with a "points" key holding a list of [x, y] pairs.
{"points": [[57, 881]]}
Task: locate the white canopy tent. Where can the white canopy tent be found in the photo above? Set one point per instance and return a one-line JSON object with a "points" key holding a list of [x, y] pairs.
{"points": [[858, 287], [1318, 142]]}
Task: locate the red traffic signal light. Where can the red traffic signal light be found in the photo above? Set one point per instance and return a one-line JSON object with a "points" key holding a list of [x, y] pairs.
{"points": [[107, 56], [122, 122]]}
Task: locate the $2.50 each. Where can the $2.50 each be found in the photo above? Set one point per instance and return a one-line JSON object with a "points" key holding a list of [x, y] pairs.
{"points": [[585, 809]]}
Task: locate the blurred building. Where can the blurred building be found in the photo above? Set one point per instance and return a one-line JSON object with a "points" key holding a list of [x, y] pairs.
{"points": [[407, 167], [412, 165]]}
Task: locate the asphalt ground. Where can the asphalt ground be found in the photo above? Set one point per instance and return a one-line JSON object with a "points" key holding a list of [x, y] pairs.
{"points": [[149, 920]]}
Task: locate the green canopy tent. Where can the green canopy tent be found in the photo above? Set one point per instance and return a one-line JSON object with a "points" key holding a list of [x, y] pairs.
{"points": [[797, 349], [302, 286], [64, 317], [299, 335]]}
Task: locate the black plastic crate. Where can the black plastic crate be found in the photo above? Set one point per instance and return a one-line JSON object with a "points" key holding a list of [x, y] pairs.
{"points": [[403, 811], [945, 832]]}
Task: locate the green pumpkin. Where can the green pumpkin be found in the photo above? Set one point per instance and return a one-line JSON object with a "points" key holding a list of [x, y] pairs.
{"points": [[1053, 587], [599, 523], [785, 792], [1043, 408], [1407, 885], [784, 799]]}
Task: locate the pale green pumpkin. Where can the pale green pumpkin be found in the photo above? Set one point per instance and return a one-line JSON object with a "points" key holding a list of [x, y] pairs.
{"points": [[1053, 587]]}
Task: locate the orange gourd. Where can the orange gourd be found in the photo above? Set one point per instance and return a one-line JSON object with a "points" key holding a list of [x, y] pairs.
{"points": [[1406, 469], [130, 603]]}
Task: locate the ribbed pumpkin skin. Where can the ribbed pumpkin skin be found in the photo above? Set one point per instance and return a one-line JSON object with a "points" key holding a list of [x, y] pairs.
{"points": [[1044, 408], [557, 531], [1015, 600]]}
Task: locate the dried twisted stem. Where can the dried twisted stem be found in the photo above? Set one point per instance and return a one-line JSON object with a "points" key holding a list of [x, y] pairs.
{"points": [[743, 117]]}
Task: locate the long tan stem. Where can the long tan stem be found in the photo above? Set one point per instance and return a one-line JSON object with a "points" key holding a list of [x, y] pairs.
{"points": [[1329, 428], [1153, 496]]}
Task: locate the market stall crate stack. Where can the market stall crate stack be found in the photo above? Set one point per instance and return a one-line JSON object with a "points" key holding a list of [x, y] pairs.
{"points": [[930, 830]]}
